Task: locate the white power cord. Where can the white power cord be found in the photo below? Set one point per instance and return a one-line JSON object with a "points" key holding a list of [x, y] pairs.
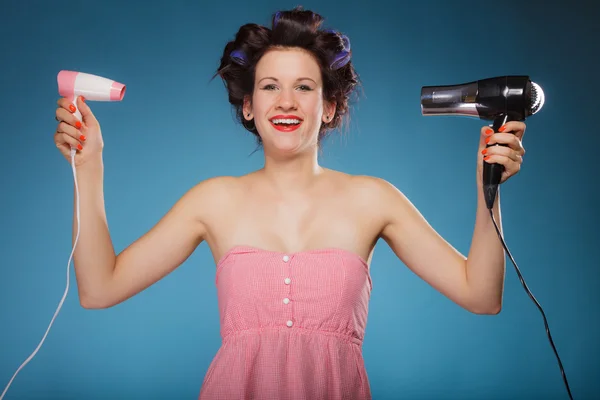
{"points": [[73, 152]]}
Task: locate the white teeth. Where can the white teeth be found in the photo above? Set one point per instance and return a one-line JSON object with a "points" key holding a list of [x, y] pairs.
{"points": [[286, 121]]}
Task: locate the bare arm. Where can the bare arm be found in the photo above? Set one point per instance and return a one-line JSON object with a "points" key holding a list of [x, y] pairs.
{"points": [[486, 264], [105, 279], [429, 256], [94, 256]]}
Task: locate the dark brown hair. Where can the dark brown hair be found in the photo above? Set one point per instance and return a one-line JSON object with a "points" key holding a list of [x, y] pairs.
{"points": [[296, 28]]}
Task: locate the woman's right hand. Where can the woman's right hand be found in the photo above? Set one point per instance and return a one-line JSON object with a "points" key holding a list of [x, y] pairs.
{"points": [[85, 136]]}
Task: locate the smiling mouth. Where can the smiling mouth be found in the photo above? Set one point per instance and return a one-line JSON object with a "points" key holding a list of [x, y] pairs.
{"points": [[286, 124]]}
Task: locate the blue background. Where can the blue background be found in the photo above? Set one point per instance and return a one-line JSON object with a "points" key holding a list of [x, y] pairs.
{"points": [[175, 128]]}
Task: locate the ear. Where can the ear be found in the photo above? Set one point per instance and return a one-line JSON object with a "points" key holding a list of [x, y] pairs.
{"points": [[247, 108], [328, 111]]}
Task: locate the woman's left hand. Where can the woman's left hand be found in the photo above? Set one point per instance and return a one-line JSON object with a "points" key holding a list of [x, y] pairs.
{"points": [[511, 157]]}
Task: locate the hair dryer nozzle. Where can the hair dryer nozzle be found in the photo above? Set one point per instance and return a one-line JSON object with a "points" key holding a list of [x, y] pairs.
{"points": [[96, 88], [450, 99]]}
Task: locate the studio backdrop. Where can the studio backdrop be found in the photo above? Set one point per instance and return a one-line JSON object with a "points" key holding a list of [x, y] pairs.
{"points": [[175, 128]]}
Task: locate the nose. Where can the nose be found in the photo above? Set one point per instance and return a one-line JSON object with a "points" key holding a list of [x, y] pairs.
{"points": [[286, 100]]}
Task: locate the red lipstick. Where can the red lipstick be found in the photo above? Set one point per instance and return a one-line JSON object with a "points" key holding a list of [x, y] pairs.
{"points": [[286, 127]]}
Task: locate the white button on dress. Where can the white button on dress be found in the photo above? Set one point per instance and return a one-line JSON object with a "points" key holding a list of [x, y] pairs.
{"points": [[287, 281]]}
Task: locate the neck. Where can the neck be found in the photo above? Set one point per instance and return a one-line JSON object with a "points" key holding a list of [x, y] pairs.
{"points": [[291, 174]]}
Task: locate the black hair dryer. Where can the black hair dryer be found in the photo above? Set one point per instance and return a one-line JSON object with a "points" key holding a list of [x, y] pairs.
{"points": [[500, 99]]}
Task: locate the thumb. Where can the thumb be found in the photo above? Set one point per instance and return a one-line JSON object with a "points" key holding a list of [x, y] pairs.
{"points": [[86, 113]]}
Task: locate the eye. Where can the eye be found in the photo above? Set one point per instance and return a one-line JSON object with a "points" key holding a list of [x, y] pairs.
{"points": [[305, 88], [269, 87]]}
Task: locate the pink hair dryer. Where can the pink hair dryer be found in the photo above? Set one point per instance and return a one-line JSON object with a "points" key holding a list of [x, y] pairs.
{"points": [[72, 84]]}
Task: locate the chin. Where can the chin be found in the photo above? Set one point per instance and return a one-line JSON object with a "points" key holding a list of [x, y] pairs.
{"points": [[289, 142]]}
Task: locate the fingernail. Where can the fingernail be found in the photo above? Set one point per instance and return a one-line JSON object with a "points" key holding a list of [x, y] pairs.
{"points": [[82, 98], [80, 147], [78, 125], [487, 140], [502, 128], [82, 137], [486, 158], [72, 108], [484, 151], [489, 131]]}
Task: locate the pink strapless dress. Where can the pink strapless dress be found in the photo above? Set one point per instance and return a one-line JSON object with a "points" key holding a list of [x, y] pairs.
{"points": [[292, 326]]}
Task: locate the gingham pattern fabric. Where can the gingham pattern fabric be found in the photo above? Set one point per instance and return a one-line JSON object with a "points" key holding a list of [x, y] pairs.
{"points": [[292, 326]]}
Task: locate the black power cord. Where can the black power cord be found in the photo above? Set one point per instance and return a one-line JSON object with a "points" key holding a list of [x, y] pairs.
{"points": [[562, 371]]}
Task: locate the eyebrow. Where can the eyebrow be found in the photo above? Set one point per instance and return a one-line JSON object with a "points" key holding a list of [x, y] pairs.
{"points": [[297, 80]]}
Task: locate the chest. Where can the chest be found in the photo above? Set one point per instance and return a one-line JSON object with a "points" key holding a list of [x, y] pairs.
{"points": [[298, 219], [291, 224]]}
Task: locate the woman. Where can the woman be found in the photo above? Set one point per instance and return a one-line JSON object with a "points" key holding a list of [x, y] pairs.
{"points": [[292, 241]]}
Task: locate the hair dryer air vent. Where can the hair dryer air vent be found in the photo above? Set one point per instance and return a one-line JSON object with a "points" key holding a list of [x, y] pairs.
{"points": [[537, 98]]}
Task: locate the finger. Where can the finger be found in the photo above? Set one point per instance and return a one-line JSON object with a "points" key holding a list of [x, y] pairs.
{"points": [[486, 131], [503, 152], [73, 132], [509, 139], [67, 116], [64, 149], [515, 127], [509, 165], [65, 142], [65, 103]]}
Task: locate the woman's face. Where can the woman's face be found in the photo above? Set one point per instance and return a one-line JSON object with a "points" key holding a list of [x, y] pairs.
{"points": [[287, 103]]}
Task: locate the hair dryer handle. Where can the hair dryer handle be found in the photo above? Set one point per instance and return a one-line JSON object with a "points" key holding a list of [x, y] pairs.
{"points": [[77, 115], [492, 173]]}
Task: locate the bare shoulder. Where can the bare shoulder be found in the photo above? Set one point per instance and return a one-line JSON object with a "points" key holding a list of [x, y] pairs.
{"points": [[376, 192], [373, 184], [214, 186], [211, 194], [387, 196], [376, 185], [376, 200]]}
